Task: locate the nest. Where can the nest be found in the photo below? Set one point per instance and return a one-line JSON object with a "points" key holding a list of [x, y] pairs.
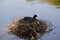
{"points": [[28, 29]]}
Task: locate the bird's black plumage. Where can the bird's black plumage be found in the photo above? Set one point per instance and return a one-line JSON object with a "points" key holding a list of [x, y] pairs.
{"points": [[30, 18]]}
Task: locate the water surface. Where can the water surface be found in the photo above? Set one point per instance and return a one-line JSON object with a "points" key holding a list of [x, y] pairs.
{"points": [[20, 8]]}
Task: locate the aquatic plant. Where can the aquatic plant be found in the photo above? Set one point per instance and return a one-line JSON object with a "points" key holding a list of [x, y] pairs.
{"points": [[28, 29]]}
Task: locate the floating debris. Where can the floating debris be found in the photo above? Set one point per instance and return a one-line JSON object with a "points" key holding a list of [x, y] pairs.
{"points": [[28, 28]]}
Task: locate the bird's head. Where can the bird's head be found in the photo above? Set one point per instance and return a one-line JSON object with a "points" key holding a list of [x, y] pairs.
{"points": [[34, 17]]}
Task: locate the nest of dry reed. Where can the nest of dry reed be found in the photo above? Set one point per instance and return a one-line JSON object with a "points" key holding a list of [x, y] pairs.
{"points": [[28, 29]]}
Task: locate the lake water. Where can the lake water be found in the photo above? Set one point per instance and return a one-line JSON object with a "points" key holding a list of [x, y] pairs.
{"points": [[20, 8]]}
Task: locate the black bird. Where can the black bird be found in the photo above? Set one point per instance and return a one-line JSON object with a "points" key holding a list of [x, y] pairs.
{"points": [[34, 17], [30, 18]]}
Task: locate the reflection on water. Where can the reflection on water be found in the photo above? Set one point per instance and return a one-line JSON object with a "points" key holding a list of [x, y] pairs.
{"points": [[20, 8], [53, 2], [29, 0]]}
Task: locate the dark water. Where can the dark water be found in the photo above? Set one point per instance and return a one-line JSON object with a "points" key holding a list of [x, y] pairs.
{"points": [[20, 8]]}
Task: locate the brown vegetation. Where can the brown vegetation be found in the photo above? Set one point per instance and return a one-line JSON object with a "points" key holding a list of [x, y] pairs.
{"points": [[29, 29]]}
